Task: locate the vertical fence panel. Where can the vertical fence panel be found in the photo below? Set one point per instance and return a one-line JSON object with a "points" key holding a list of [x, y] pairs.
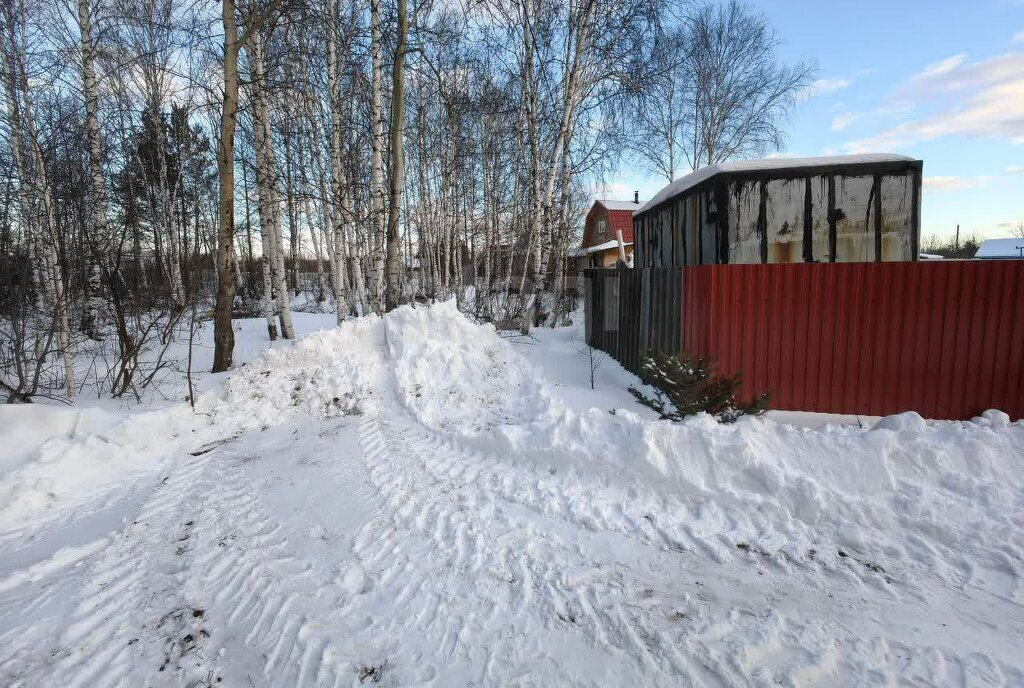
{"points": [[1014, 371], [943, 338], [990, 292], [1004, 350], [813, 332]]}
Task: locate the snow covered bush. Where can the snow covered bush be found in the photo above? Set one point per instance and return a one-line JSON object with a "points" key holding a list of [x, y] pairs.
{"points": [[686, 387]]}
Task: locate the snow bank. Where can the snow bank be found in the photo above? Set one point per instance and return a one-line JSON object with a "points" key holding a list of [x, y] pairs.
{"points": [[59, 458], [943, 496], [459, 377], [325, 374], [27, 427]]}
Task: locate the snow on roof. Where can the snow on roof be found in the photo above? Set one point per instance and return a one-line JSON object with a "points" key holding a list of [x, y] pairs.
{"points": [[694, 178], [1001, 248], [619, 205], [600, 247], [930, 256]]}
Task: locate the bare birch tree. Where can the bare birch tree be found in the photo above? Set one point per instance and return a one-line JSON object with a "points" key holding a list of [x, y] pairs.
{"points": [[394, 294], [98, 234], [223, 334]]}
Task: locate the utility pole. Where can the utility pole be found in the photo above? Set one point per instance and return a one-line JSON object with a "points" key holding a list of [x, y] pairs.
{"points": [[957, 245]]}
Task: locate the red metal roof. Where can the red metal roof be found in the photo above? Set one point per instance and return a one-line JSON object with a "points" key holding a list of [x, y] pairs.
{"points": [[618, 220], [622, 221]]}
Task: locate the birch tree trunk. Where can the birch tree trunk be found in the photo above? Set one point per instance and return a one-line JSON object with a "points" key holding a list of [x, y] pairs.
{"points": [[56, 299], [326, 226], [223, 335], [377, 237], [165, 203], [339, 259], [307, 212], [577, 45], [394, 293], [293, 212], [267, 295], [34, 192], [97, 237], [266, 183]]}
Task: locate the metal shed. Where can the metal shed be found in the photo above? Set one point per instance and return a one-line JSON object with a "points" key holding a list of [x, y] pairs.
{"points": [[853, 208]]}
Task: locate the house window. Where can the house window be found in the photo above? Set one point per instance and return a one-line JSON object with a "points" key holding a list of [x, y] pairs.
{"points": [[602, 229]]}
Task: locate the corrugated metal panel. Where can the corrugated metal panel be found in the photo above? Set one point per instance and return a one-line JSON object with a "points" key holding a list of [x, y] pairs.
{"points": [[945, 339]]}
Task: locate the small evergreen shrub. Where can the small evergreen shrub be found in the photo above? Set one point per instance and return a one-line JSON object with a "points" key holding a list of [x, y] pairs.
{"points": [[684, 387]]}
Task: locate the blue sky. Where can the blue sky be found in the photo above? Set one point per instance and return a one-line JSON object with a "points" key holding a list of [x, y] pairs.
{"points": [[942, 81]]}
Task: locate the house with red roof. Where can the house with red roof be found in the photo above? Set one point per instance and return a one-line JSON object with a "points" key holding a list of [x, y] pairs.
{"points": [[607, 223]]}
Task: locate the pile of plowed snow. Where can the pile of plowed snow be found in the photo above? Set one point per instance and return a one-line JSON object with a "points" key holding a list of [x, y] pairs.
{"points": [[63, 457], [324, 374], [459, 377], [56, 457], [902, 496]]}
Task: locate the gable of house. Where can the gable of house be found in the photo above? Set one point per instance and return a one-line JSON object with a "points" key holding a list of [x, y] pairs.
{"points": [[605, 219]]}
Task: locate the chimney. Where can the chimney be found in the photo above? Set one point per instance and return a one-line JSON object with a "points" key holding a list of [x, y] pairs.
{"points": [[636, 197]]}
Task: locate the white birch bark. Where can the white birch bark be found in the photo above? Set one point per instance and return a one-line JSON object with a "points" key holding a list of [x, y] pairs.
{"points": [[393, 292], [305, 193], [35, 193], [339, 256], [266, 181], [98, 201], [577, 45], [377, 237]]}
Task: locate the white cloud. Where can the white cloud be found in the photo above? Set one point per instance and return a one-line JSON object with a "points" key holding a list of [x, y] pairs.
{"points": [[844, 120], [941, 183], [825, 86], [624, 190], [1014, 169], [947, 183], [942, 66], [989, 103], [1019, 36]]}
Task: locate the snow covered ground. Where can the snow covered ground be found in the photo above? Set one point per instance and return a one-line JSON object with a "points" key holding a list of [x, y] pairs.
{"points": [[420, 501]]}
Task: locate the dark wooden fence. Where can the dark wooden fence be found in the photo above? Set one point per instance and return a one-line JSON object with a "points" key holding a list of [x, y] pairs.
{"points": [[629, 312], [943, 338]]}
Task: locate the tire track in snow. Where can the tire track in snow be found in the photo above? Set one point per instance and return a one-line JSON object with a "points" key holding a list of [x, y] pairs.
{"points": [[269, 603], [767, 649], [118, 621], [461, 503]]}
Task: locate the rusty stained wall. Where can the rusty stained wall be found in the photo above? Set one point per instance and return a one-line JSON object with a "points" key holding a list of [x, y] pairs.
{"points": [[898, 221], [855, 236], [770, 220], [822, 216], [862, 235], [784, 220], [821, 244], [678, 233], [744, 210]]}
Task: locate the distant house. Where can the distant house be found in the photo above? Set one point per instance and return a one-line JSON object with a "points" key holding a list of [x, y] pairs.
{"points": [[843, 209], [604, 224], [1000, 249]]}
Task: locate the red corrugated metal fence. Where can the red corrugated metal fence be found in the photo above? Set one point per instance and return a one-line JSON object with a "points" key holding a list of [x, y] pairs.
{"points": [[943, 338]]}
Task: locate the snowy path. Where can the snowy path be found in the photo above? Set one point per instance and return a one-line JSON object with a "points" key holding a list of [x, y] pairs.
{"points": [[371, 547]]}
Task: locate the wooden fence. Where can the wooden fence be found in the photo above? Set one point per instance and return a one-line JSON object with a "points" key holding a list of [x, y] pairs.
{"points": [[943, 338], [629, 312]]}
